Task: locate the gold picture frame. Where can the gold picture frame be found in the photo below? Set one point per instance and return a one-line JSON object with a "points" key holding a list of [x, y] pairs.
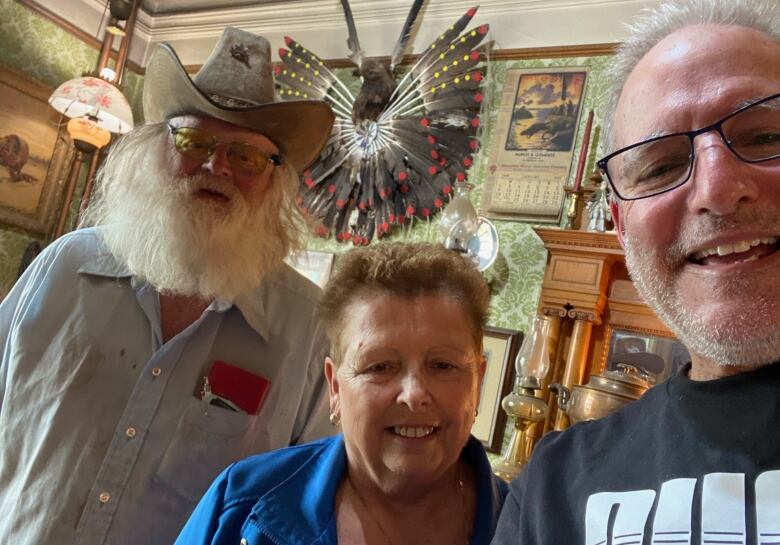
{"points": [[34, 153]]}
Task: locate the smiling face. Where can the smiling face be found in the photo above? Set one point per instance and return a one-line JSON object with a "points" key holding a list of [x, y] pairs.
{"points": [[407, 389], [224, 182], [705, 254]]}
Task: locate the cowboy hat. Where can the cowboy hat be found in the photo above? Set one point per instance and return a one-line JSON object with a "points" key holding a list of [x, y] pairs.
{"points": [[235, 84]]}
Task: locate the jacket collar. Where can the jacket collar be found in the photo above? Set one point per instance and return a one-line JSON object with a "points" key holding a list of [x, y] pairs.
{"points": [[301, 510]]}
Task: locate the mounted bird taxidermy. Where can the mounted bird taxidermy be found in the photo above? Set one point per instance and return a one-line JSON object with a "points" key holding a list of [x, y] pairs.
{"points": [[398, 146]]}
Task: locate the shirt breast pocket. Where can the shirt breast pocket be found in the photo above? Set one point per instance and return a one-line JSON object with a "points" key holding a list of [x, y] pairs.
{"points": [[207, 440]]}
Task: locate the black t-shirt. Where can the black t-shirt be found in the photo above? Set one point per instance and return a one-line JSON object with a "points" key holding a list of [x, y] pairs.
{"points": [[689, 463]]}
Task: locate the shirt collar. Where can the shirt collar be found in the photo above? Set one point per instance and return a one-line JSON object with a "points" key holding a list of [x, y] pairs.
{"points": [[250, 305]]}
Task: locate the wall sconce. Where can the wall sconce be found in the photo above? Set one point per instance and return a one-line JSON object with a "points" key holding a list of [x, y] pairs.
{"points": [[466, 232]]}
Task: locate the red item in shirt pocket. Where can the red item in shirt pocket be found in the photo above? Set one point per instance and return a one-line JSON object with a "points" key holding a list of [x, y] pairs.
{"points": [[246, 390]]}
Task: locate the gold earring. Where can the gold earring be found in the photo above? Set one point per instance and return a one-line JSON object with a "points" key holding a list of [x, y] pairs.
{"points": [[335, 419]]}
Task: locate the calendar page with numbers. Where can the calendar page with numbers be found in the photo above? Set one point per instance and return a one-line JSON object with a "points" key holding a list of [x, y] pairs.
{"points": [[533, 144]]}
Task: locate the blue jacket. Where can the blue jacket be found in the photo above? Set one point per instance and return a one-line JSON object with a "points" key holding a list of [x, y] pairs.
{"points": [[286, 497]]}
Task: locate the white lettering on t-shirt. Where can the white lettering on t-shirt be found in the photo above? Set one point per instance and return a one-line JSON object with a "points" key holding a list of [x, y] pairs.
{"points": [[620, 518]]}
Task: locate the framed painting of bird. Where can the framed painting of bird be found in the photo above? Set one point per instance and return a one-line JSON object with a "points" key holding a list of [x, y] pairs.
{"points": [[399, 143]]}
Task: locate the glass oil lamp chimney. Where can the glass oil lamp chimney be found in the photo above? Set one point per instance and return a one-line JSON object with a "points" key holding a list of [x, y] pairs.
{"points": [[459, 221], [522, 405]]}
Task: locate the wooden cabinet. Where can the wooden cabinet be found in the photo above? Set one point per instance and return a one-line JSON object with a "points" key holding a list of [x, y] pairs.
{"points": [[587, 296]]}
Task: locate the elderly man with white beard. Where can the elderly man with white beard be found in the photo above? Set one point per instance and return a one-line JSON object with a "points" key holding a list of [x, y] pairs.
{"points": [[694, 133], [142, 356]]}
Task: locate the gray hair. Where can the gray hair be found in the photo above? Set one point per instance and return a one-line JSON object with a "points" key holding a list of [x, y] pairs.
{"points": [[646, 31]]}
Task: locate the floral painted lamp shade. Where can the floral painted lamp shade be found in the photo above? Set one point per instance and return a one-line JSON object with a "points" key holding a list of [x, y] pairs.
{"points": [[95, 98]]}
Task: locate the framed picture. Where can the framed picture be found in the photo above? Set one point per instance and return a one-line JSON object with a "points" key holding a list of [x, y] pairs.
{"points": [[315, 266], [531, 156], [33, 154], [500, 349]]}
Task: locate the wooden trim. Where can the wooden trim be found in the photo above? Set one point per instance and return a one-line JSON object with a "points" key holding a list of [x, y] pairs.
{"points": [[85, 37], [588, 50]]}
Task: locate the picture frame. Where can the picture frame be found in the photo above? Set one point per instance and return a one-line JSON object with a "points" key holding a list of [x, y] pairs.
{"points": [[500, 347], [314, 265], [34, 154]]}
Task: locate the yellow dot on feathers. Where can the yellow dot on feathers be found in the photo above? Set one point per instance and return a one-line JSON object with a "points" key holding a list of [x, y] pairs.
{"points": [[457, 80], [284, 72], [452, 48], [308, 65], [455, 62], [436, 75], [443, 85], [433, 90], [441, 55], [444, 69], [316, 72], [301, 78], [463, 40], [297, 93], [308, 83], [305, 95], [467, 77]]}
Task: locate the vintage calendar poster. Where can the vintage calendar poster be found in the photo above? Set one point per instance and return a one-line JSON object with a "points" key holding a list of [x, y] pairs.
{"points": [[533, 144]]}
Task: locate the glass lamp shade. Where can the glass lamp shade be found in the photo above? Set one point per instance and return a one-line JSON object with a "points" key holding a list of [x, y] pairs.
{"points": [[533, 359], [86, 130], [95, 98], [459, 221]]}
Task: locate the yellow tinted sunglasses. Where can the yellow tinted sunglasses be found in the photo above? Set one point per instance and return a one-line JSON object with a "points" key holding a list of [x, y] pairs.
{"points": [[200, 145]]}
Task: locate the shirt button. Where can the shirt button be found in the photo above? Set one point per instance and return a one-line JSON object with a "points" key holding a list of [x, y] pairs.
{"points": [[130, 432], [104, 497], [156, 372]]}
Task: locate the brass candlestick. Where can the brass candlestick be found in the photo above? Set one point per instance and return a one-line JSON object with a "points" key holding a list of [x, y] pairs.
{"points": [[573, 208]]}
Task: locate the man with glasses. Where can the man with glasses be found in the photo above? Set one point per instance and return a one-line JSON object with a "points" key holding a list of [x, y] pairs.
{"points": [[694, 123], [142, 356]]}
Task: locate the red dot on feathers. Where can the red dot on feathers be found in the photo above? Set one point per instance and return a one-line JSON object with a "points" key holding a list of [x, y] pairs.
{"points": [[447, 189], [431, 170], [402, 175], [461, 176], [425, 122], [288, 41], [474, 55], [437, 203], [332, 188]]}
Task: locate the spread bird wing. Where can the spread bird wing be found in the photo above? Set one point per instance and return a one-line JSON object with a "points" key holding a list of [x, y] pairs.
{"points": [[401, 167]]}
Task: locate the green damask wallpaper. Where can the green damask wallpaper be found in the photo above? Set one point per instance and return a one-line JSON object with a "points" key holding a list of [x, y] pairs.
{"points": [[46, 52]]}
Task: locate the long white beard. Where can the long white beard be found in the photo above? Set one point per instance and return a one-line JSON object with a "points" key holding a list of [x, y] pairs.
{"points": [[178, 243]]}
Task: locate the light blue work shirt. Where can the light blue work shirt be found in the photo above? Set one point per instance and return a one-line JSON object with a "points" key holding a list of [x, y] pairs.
{"points": [[102, 440]]}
